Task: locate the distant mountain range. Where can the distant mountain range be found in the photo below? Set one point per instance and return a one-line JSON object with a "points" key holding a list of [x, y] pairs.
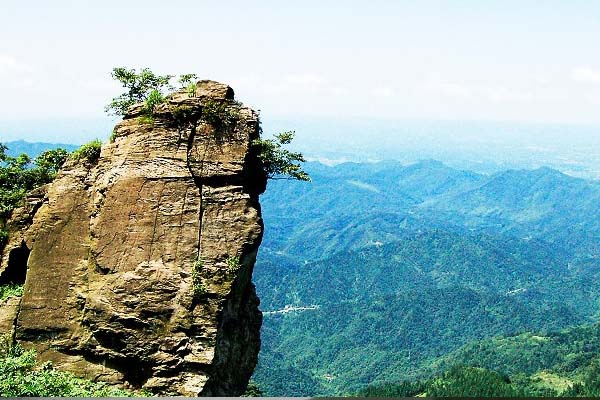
{"points": [[34, 149], [343, 202], [405, 264]]}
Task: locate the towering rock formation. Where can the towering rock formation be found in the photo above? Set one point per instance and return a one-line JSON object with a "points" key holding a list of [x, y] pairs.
{"points": [[139, 263]]}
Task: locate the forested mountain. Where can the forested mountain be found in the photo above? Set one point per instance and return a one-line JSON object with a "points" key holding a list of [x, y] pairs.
{"points": [[373, 272], [565, 362], [353, 205], [540, 203]]}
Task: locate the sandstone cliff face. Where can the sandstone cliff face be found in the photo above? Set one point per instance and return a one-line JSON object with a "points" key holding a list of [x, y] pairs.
{"points": [[139, 265]]}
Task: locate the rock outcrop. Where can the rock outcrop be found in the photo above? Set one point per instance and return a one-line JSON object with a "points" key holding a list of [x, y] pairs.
{"points": [[139, 263]]}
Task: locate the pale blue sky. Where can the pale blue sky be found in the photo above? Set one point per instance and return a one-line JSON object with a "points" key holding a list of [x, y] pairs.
{"points": [[516, 60]]}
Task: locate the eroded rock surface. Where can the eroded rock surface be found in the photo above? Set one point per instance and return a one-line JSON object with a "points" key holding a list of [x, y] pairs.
{"points": [[111, 249]]}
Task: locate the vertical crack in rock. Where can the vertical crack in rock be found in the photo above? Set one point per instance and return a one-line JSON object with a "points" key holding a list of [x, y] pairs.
{"points": [[109, 293], [197, 179]]}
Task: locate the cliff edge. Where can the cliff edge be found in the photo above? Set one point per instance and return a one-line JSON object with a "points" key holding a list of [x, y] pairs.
{"points": [[137, 265]]}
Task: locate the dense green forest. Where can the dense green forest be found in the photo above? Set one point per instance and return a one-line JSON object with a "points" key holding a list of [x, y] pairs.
{"points": [[395, 268], [561, 363]]}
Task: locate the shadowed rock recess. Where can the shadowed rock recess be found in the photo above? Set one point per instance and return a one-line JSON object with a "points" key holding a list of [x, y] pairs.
{"points": [[139, 263]]}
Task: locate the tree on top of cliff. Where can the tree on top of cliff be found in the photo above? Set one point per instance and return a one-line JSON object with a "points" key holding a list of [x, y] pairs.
{"points": [[140, 87], [148, 87]]}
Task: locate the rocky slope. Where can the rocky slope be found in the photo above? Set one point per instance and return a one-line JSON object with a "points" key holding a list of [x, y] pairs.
{"points": [[138, 264]]}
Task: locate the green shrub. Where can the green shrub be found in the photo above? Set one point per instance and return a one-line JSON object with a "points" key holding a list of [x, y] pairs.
{"points": [[220, 114], [154, 99], [253, 390], [181, 113], [146, 119], [20, 376], [139, 87], [19, 175], [233, 263], [186, 81], [48, 163], [144, 87], [191, 89], [197, 283], [89, 152], [280, 163], [9, 290]]}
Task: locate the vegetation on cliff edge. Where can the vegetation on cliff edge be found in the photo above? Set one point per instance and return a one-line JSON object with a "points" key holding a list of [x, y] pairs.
{"points": [[151, 89], [19, 175], [22, 376]]}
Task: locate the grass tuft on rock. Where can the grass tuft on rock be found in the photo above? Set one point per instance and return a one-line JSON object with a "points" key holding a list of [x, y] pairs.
{"points": [[10, 290], [89, 152]]}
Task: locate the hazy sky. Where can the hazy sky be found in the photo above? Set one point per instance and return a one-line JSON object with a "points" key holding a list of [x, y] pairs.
{"points": [[522, 60]]}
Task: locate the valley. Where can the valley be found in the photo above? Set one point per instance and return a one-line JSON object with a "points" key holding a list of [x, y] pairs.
{"points": [[408, 264]]}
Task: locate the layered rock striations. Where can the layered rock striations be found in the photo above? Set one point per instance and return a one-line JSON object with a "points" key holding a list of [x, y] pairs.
{"points": [[138, 264]]}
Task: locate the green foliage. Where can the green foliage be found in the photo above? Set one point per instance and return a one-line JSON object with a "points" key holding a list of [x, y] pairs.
{"points": [[186, 81], [252, 390], [402, 389], [48, 163], [89, 152], [387, 312], [459, 381], [10, 290], [154, 99], [279, 162], [591, 382], [145, 87], [462, 381], [233, 263], [146, 119], [139, 87], [197, 282], [19, 175], [220, 114], [181, 113], [20, 376], [409, 263], [191, 89], [590, 386], [565, 362]]}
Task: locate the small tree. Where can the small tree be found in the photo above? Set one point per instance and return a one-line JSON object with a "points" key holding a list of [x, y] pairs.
{"points": [[48, 163], [140, 87], [89, 152], [280, 163], [187, 81]]}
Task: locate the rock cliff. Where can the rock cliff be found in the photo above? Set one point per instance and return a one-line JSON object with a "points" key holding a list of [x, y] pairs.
{"points": [[138, 264]]}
